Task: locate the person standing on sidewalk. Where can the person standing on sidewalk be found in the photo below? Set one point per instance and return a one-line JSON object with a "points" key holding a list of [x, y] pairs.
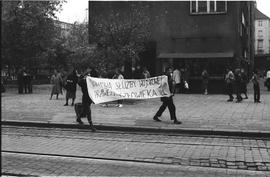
{"points": [[86, 100], [168, 101], [244, 82], [205, 79], [256, 87], [56, 81], [229, 79], [118, 75], [145, 74], [238, 85], [70, 86], [20, 81], [177, 79]]}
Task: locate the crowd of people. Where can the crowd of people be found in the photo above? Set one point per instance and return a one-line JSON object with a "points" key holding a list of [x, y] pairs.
{"points": [[236, 83], [24, 78]]}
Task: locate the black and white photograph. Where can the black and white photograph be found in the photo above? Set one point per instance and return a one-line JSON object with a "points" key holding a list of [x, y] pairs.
{"points": [[135, 88]]}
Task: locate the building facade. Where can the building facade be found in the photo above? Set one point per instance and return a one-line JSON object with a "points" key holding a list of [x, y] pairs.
{"points": [[262, 33], [197, 35], [262, 42]]}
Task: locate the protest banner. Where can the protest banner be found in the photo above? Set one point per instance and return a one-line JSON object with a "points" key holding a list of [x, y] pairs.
{"points": [[104, 90]]}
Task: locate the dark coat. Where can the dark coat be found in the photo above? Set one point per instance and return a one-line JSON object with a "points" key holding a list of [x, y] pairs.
{"points": [[71, 83], [85, 98]]}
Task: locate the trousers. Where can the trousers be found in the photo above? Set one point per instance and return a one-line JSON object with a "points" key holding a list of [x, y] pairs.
{"points": [[167, 102]]}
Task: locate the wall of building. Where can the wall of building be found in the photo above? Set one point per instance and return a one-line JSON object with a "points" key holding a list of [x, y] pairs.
{"points": [[262, 33], [175, 30]]}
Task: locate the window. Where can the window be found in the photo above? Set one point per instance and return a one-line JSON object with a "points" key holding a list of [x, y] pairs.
{"points": [[260, 44], [245, 54], [260, 33], [260, 23], [243, 19], [208, 7]]}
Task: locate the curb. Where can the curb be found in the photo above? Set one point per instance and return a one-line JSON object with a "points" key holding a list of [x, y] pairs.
{"points": [[257, 134]]}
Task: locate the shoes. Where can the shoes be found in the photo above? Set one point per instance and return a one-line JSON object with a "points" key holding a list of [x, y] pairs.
{"points": [[230, 100], [155, 118], [79, 121], [177, 122], [66, 104], [246, 98], [257, 101]]}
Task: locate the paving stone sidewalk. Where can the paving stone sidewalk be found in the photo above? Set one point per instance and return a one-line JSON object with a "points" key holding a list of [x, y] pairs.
{"points": [[200, 112], [26, 165]]}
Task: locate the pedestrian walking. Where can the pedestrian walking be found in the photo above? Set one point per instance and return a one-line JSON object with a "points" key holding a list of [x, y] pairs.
{"points": [[238, 85], [244, 82], [256, 87], [70, 86], [229, 79], [176, 76], [20, 81], [56, 81], [145, 73], [267, 81], [118, 75], [205, 79], [86, 100], [168, 101]]}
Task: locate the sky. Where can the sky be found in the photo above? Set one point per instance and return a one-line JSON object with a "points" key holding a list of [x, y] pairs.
{"points": [[75, 10]]}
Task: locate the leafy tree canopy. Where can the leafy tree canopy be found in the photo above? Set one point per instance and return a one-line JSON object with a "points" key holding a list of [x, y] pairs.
{"points": [[27, 32]]}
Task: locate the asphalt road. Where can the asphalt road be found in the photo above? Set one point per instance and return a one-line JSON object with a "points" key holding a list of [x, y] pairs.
{"points": [[47, 151]]}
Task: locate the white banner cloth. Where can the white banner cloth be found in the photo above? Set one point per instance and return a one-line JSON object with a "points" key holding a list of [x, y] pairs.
{"points": [[104, 90]]}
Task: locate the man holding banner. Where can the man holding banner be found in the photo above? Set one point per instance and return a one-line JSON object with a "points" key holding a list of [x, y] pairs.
{"points": [[86, 100], [168, 101], [103, 90]]}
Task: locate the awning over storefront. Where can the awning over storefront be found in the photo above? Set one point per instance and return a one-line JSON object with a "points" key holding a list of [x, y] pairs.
{"points": [[196, 55]]}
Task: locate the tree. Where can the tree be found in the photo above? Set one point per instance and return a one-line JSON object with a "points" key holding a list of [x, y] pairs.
{"points": [[120, 34], [27, 32]]}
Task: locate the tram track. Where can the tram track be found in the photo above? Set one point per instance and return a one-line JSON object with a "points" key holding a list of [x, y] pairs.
{"points": [[125, 137]]}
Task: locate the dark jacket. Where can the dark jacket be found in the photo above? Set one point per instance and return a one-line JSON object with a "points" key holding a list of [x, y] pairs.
{"points": [[85, 98], [71, 82]]}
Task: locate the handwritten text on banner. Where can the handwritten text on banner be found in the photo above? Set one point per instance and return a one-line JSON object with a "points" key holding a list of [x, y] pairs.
{"points": [[105, 90]]}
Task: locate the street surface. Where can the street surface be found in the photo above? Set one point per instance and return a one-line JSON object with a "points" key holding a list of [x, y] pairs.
{"points": [[47, 151], [196, 111]]}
